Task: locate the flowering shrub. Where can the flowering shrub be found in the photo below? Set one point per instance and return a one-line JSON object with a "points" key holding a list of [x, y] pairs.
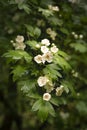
{"points": [[40, 67], [43, 63]]}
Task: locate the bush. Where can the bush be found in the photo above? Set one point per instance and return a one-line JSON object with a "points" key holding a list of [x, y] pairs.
{"points": [[43, 64]]}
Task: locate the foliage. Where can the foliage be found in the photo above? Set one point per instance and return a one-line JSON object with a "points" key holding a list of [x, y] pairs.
{"points": [[62, 25]]}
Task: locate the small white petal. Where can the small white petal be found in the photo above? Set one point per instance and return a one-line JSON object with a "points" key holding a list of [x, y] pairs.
{"points": [[19, 46], [19, 39], [48, 57], [42, 80], [76, 36], [80, 36], [44, 49], [45, 42], [46, 96], [55, 8], [73, 33], [59, 90], [38, 59], [37, 46], [54, 49]]}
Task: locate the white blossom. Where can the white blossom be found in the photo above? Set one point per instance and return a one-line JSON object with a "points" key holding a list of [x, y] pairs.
{"points": [[44, 49], [73, 33], [53, 35], [76, 36], [53, 8], [48, 30], [54, 49], [49, 87], [80, 36], [19, 39], [48, 57], [38, 59], [19, 46], [37, 46], [45, 42], [46, 96], [59, 90], [42, 80], [12, 41]]}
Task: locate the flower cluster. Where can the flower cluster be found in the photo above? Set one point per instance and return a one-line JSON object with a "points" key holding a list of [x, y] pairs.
{"points": [[46, 96], [59, 90], [48, 51], [19, 43], [54, 8], [76, 36], [52, 33]]}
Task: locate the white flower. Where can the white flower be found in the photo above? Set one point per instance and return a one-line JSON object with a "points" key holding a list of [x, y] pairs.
{"points": [[48, 30], [54, 49], [44, 49], [59, 90], [37, 46], [38, 59], [80, 36], [48, 57], [19, 39], [49, 87], [73, 33], [45, 42], [53, 8], [76, 36], [12, 41], [19, 46], [53, 35], [46, 96], [42, 80]]}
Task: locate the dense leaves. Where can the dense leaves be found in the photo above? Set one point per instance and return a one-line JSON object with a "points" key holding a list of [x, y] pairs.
{"points": [[64, 23]]}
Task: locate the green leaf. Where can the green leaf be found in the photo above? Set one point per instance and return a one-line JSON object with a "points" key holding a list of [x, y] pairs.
{"points": [[30, 30], [65, 31], [18, 71], [33, 31], [55, 21], [37, 32], [36, 106], [61, 62], [50, 109], [68, 85], [27, 85], [32, 44], [17, 55], [81, 107], [45, 12], [63, 54], [43, 113], [54, 101], [81, 47], [52, 71], [24, 7], [45, 109], [33, 94]]}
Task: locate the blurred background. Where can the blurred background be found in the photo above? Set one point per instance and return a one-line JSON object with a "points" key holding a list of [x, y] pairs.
{"points": [[69, 33]]}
